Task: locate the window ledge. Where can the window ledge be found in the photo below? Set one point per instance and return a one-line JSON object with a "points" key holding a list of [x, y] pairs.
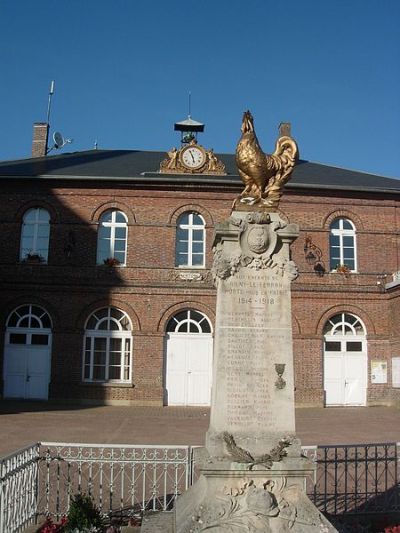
{"points": [[119, 384]]}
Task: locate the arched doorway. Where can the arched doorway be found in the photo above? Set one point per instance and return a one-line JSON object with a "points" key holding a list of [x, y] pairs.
{"points": [[189, 349], [27, 354], [345, 360]]}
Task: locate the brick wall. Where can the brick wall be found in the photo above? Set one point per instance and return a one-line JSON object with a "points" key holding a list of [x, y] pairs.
{"points": [[149, 289]]}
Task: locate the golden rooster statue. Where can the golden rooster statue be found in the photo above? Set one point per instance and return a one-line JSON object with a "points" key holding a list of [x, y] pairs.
{"points": [[263, 175]]}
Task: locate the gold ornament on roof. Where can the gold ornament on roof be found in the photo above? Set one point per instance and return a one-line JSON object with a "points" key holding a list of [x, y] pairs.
{"points": [[263, 175], [192, 158]]}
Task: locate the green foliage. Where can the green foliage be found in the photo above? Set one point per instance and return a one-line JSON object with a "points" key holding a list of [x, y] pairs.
{"points": [[83, 514]]}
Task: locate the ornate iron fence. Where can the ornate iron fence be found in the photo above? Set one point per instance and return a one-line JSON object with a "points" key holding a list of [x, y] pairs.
{"points": [[355, 480], [18, 489]]}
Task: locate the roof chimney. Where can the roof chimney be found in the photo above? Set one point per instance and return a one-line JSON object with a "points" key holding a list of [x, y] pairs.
{"points": [[284, 129], [40, 138]]}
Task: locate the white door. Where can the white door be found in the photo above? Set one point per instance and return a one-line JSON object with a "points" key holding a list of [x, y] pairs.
{"points": [[27, 368], [188, 368], [345, 371]]}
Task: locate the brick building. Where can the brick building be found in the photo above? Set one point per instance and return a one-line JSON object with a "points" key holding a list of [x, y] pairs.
{"points": [[107, 294]]}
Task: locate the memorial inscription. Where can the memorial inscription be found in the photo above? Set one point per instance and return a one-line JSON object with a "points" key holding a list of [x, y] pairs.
{"points": [[254, 334]]}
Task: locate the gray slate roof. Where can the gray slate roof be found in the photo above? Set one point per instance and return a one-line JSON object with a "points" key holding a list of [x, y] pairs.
{"points": [[134, 165]]}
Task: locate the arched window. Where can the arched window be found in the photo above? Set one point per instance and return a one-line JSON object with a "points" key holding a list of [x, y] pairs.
{"points": [[112, 238], [29, 324], [342, 244], [189, 321], [344, 324], [108, 346], [35, 235], [190, 240]]}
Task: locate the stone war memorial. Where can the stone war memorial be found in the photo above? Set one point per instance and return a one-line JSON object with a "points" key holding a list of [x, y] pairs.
{"points": [[252, 474]]}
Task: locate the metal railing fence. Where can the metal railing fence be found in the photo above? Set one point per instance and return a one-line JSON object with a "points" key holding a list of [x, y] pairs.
{"points": [[18, 489], [39, 480]]}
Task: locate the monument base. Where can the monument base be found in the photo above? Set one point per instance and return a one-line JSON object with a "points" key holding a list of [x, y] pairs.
{"points": [[233, 497]]}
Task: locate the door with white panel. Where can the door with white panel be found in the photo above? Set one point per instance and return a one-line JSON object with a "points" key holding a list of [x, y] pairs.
{"points": [[345, 361], [188, 357], [27, 354]]}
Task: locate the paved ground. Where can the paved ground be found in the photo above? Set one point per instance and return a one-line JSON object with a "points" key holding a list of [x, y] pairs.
{"points": [[22, 423]]}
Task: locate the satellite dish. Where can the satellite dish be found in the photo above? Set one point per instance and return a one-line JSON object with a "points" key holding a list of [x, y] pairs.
{"points": [[58, 140]]}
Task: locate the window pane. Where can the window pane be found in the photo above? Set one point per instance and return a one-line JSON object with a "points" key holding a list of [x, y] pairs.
{"points": [[354, 346], [99, 358], [332, 346], [183, 328], [120, 217], [193, 328], [99, 373], [334, 240], [350, 263], [348, 252], [106, 217], [182, 234], [115, 345], [115, 358], [125, 324], [100, 344], [24, 323], [347, 224], [198, 235], [43, 230], [120, 233], [205, 327], [114, 326], [182, 247], [28, 230], [183, 219], [30, 216], [120, 256], [197, 259], [114, 372], [182, 260], [42, 340], [46, 321], [335, 224], [197, 220], [104, 232], [17, 338], [87, 372], [197, 247], [348, 241]]}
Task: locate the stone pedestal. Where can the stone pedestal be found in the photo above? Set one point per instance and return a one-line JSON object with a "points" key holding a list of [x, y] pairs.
{"points": [[231, 498], [252, 472], [253, 386]]}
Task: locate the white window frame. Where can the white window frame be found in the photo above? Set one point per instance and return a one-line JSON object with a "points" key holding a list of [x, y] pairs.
{"points": [[341, 233], [108, 334], [112, 226], [35, 325], [190, 227], [342, 324], [187, 321], [39, 220]]}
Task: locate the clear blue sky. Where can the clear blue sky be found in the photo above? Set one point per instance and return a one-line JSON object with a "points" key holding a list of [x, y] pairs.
{"points": [[123, 70]]}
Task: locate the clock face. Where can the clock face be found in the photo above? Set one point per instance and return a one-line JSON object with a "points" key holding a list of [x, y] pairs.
{"points": [[193, 157]]}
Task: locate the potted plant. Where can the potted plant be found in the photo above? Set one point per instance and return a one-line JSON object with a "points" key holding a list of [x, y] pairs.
{"points": [[33, 257], [112, 261], [343, 269]]}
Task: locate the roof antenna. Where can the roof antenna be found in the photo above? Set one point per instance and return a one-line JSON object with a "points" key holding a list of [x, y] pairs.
{"points": [[51, 92], [58, 139], [190, 102]]}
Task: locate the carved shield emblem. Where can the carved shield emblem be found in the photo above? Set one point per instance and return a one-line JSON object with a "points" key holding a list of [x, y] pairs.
{"points": [[257, 239]]}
